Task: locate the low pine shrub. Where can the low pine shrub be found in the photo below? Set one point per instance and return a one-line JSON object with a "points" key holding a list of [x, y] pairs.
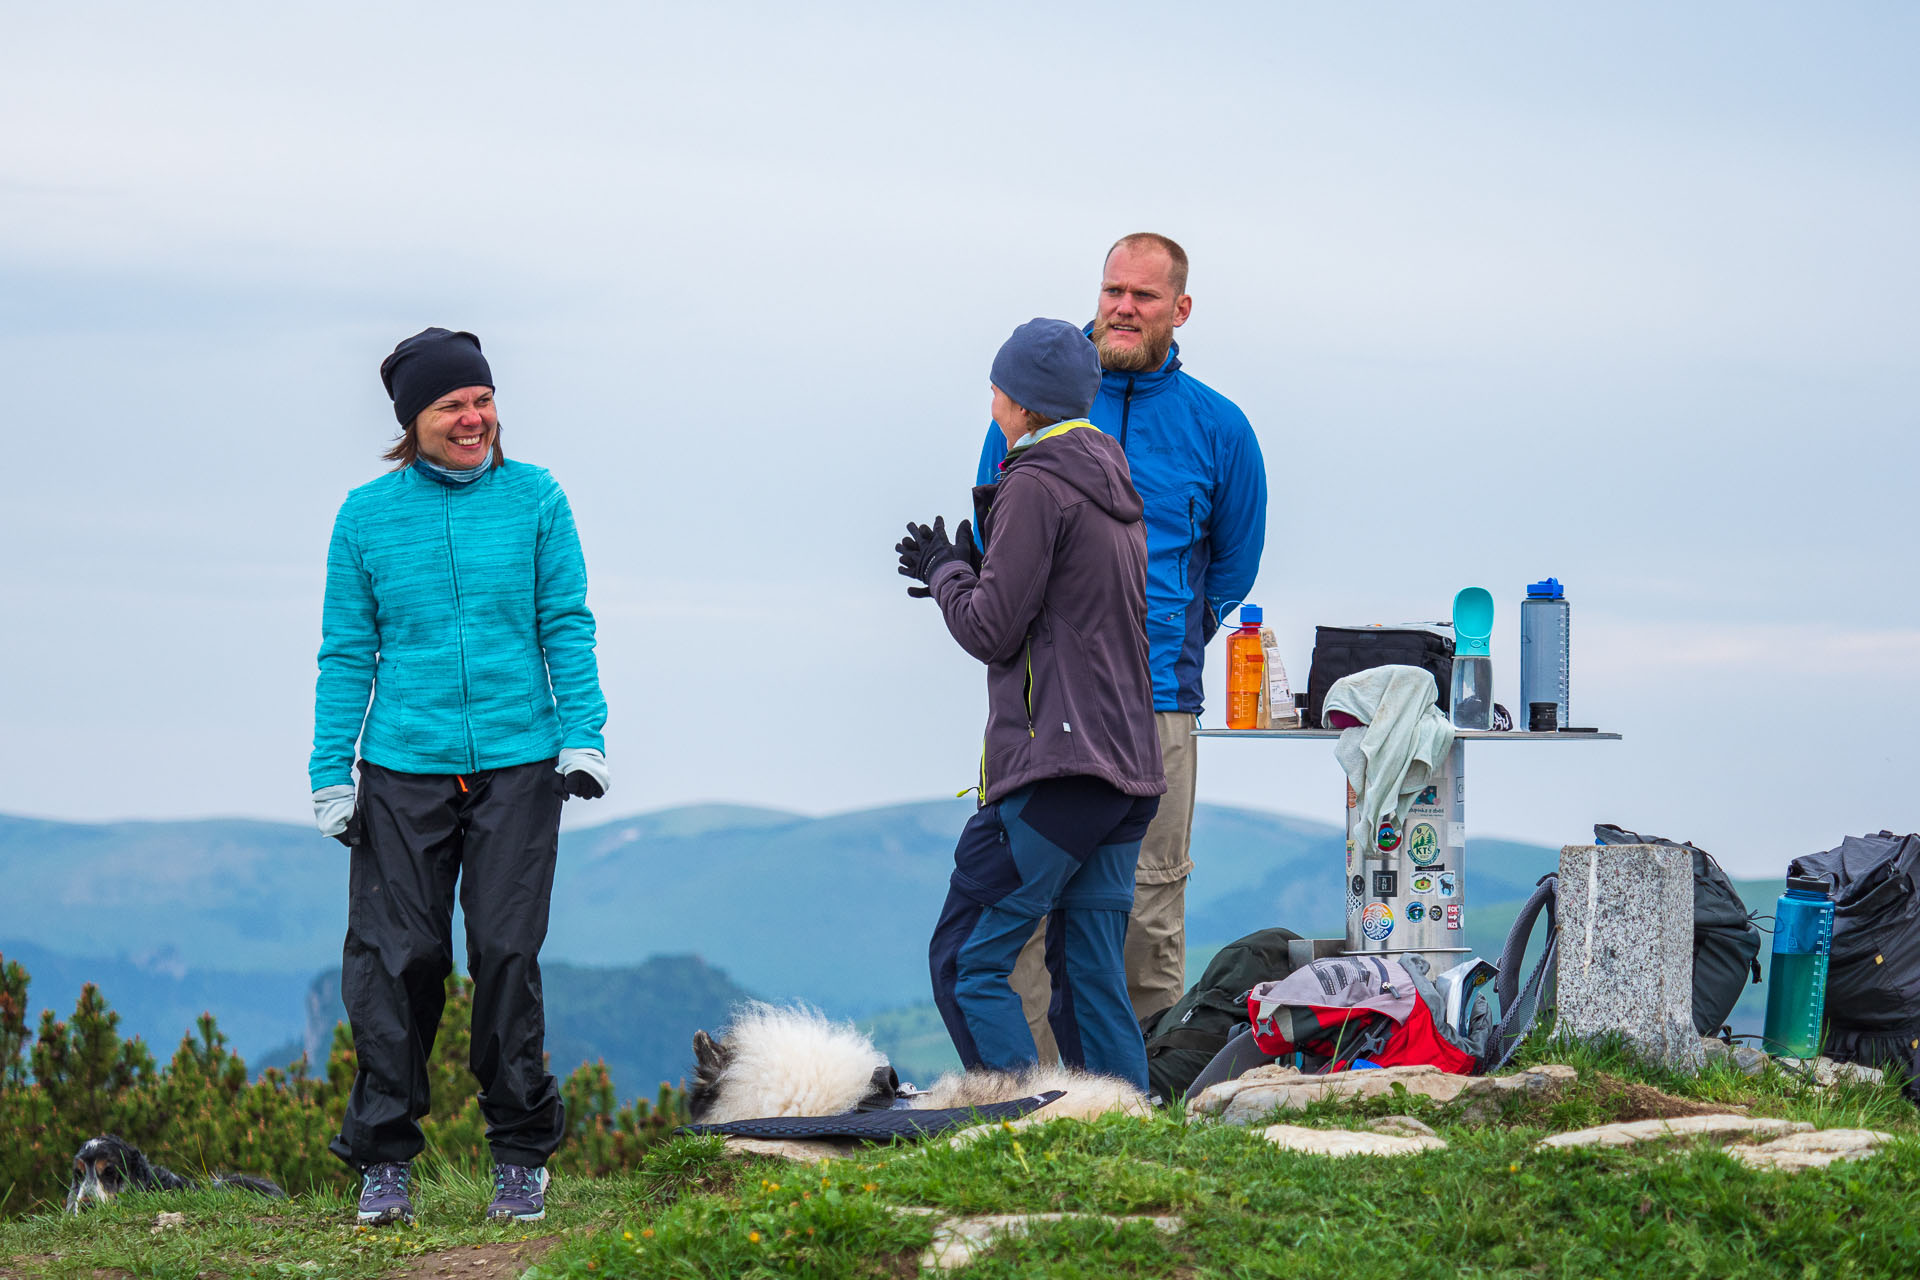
{"points": [[201, 1112]]}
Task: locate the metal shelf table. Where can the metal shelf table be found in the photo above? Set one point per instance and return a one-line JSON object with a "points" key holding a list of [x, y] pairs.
{"points": [[1407, 889]]}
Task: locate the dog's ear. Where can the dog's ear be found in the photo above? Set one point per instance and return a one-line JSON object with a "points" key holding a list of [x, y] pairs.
{"points": [[710, 1057], [709, 1064], [883, 1089]]}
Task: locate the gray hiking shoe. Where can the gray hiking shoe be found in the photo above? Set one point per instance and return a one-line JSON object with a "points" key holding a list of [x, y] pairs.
{"points": [[383, 1195], [519, 1194]]}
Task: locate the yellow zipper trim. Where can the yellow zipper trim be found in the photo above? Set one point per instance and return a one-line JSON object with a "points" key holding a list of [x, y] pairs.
{"points": [[1029, 688]]}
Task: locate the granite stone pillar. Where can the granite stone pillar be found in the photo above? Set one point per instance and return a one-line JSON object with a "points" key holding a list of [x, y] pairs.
{"points": [[1626, 949]]}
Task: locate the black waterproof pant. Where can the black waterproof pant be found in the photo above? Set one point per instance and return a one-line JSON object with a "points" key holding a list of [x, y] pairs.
{"points": [[496, 834]]}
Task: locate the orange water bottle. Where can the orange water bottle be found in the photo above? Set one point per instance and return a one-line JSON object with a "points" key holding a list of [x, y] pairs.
{"points": [[1246, 671]]}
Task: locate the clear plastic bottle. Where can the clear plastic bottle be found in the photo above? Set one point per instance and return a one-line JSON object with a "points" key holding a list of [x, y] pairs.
{"points": [[1797, 971], [1246, 670], [1471, 699]]}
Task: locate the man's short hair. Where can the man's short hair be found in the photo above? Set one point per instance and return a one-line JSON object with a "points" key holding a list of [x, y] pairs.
{"points": [[1145, 239]]}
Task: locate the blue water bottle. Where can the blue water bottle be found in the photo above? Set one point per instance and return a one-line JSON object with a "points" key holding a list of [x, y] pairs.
{"points": [[1797, 978]]}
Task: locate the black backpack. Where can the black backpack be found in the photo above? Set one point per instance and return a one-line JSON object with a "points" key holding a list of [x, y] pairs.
{"points": [[1873, 972], [1726, 945], [1185, 1038]]}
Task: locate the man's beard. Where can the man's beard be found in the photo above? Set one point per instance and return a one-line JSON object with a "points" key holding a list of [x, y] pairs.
{"points": [[1148, 355]]}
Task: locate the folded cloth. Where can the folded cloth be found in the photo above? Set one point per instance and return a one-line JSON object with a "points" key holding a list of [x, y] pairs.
{"points": [[1403, 742], [876, 1126]]}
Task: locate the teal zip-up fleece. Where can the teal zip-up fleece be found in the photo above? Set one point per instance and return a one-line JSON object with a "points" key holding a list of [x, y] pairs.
{"points": [[462, 611]]}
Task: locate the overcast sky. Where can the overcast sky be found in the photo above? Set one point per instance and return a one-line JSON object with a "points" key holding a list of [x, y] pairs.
{"points": [[1625, 294]]}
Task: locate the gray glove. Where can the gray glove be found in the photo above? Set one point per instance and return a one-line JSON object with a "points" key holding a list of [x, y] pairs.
{"points": [[335, 815]]}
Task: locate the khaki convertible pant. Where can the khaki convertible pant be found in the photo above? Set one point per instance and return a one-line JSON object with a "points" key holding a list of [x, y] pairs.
{"points": [[1157, 930]]}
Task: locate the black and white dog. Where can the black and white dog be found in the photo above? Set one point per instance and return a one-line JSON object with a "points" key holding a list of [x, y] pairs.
{"points": [[107, 1165], [793, 1061]]}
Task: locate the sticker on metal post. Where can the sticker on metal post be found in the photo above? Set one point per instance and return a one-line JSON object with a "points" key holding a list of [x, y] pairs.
{"points": [[1353, 801], [1422, 882], [1358, 884], [1423, 845], [1386, 884], [1449, 883], [1429, 796], [1453, 915], [1377, 921], [1415, 913], [1388, 839]]}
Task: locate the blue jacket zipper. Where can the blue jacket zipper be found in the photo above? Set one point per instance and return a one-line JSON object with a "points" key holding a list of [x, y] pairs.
{"points": [[1193, 532], [1126, 411], [460, 632]]}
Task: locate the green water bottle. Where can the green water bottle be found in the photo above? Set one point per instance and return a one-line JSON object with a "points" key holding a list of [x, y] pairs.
{"points": [[1797, 978]]}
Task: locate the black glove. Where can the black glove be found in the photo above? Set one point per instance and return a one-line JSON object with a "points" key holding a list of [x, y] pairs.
{"points": [[963, 543], [925, 549], [963, 549], [581, 783]]}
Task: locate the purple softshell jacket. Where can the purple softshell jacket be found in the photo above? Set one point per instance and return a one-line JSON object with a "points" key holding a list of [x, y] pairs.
{"points": [[1058, 613]]}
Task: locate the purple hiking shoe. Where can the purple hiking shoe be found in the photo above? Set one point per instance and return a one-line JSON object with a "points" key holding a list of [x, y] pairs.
{"points": [[383, 1195], [519, 1194]]}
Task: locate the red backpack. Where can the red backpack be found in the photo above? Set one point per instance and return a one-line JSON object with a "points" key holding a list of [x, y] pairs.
{"points": [[1353, 1007]]}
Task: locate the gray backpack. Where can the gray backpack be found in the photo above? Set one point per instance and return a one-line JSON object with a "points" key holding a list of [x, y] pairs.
{"points": [[1520, 1003]]}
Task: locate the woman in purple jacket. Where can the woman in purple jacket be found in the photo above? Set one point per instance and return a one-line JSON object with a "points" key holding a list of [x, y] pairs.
{"points": [[1070, 773]]}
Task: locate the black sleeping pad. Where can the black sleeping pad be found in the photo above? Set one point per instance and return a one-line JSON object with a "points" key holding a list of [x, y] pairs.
{"points": [[876, 1126]]}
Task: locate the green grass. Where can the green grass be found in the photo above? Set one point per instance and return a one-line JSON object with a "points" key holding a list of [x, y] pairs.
{"points": [[1490, 1205]]}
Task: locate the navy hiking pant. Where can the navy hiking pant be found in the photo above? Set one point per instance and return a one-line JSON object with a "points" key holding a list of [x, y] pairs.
{"points": [[496, 834], [1062, 849]]}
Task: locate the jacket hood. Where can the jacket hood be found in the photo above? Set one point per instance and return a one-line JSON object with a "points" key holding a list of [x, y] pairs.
{"points": [[1083, 456]]}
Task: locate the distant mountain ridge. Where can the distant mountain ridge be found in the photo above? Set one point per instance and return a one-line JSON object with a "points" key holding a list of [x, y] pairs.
{"points": [[158, 999], [239, 916], [833, 909]]}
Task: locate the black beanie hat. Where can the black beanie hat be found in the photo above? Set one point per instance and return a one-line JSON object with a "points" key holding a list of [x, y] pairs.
{"points": [[428, 365]]}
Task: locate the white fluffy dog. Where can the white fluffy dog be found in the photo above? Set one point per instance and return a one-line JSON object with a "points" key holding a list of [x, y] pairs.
{"points": [[794, 1061]]}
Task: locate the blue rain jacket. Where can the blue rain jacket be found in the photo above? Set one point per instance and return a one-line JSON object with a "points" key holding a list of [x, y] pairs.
{"points": [[1198, 469], [462, 610]]}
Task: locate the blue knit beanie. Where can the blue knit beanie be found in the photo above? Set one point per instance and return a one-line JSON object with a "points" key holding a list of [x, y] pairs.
{"points": [[428, 365], [1050, 368]]}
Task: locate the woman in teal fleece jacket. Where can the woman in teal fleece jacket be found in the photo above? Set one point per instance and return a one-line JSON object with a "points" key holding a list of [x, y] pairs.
{"points": [[470, 601], [457, 654]]}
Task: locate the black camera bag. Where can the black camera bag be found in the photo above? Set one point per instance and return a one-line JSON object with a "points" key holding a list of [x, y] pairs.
{"points": [[1338, 652]]}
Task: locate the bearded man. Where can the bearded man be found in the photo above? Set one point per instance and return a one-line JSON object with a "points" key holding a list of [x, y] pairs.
{"points": [[1197, 467]]}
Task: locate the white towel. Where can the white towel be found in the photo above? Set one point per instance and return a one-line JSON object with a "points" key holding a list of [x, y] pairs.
{"points": [[1403, 741]]}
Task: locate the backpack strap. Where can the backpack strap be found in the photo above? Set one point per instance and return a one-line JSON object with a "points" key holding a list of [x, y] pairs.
{"points": [[1520, 1004]]}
